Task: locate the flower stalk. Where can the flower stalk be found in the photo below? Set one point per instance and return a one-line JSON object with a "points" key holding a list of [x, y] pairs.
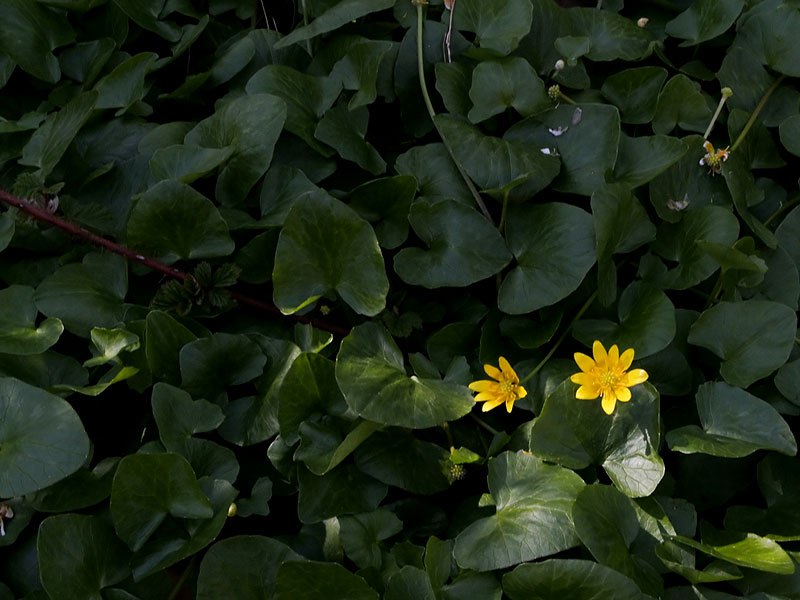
{"points": [[757, 110]]}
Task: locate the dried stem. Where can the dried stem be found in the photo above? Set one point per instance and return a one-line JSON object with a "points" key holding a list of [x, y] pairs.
{"points": [[46, 217]]}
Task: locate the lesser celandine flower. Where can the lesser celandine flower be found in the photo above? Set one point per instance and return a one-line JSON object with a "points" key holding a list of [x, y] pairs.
{"points": [[494, 393], [714, 158], [606, 375]]}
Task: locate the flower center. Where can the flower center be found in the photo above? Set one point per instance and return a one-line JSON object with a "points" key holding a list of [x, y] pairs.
{"points": [[508, 386], [607, 379]]}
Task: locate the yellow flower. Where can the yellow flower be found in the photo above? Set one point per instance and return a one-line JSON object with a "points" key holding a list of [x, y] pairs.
{"points": [[714, 158], [506, 389], [605, 375]]}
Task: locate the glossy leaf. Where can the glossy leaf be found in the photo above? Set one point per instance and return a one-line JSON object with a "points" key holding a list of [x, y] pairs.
{"points": [[125, 85], [345, 490], [554, 245], [361, 535], [512, 82], [681, 103], [534, 502], [767, 33], [576, 433], [463, 246], [179, 417], [18, 331], [435, 172], [643, 158], [187, 163], [209, 364], [704, 20], [734, 424], [343, 129], [635, 92], [333, 18], [310, 580], [499, 26], [387, 201], [171, 221], [790, 134], [371, 374], [338, 252], [163, 340], [753, 338], [42, 440]]}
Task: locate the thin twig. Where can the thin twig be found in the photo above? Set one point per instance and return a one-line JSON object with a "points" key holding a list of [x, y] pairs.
{"points": [[154, 265]]}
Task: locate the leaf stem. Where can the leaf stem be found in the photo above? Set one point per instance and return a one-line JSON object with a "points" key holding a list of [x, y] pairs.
{"points": [[561, 338], [182, 579], [716, 113], [305, 24], [502, 224], [757, 110], [432, 113], [448, 433], [484, 424], [782, 209], [49, 218]]}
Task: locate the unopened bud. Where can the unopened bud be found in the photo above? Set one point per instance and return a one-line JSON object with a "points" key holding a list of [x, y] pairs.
{"points": [[642, 21], [559, 66], [232, 510]]}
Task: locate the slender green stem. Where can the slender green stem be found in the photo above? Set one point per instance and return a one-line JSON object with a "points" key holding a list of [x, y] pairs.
{"points": [[783, 208], [182, 580], [565, 98], [447, 432], [715, 292], [714, 118], [561, 338], [305, 24], [432, 113], [483, 424], [757, 110], [502, 224]]}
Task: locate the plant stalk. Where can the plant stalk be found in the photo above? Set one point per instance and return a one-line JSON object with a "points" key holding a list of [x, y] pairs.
{"points": [[757, 110]]}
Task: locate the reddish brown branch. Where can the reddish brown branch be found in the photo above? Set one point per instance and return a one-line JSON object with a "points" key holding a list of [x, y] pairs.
{"points": [[46, 217]]}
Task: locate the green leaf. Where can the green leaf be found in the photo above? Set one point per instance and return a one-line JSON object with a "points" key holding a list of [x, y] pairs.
{"points": [[606, 522], [325, 247], [498, 25], [251, 126], [258, 502], [344, 490], [42, 440], [28, 34], [621, 225], [767, 32], [125, 85], [179, 417], [208, 365], [79, 555], [325, 442], [7, 228], [643, 158], [334, 17], [343, 129], [387, 202], [585, 138], [409, 582], [676, 559], [84, 61], [788, 381], [495, 164], [499, 84], [576, 433], [788, 234], [435, 172], [361, 535], [646, 322], [612, 36], [559, 578], [746, 193], [790, 134], [635, 92], [470, 585], [735, 424], [307, 98], [677, 243], [85, 295], [314, 580], [244, 567], [438, 561], [554, 245], [18, 331], [464, 246], [681, 103], [109, 343], [164, 337], [704, 20], [171, 221], [82, 489], [283, 186], [308, 389], [187, 163], [753, 338], [398, 458], [50, 141], [534, 501], [371, 374], [358, 70], [743, 549], [453, 82], [146, 13], [147, 489]]}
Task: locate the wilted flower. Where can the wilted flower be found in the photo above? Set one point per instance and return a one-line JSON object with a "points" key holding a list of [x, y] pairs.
{"points": [[494, 393], [642, 21], [714, 158], [5, 513], [605, 375]]}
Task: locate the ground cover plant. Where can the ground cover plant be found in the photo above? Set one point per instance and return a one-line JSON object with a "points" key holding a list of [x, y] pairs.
{"points": [[361, 299]]}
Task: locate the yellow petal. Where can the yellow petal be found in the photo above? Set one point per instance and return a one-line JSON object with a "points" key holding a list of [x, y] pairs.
{"points": [[521, 392], [493, 372], [626, 359], [599, 352], [490, 405], [510, 404], [583, 378], [585, 363], [613, 357], [608, 403], [484, 396], [623, 393], [484, 385], [636, 376], [508, 373], [587, 392]]}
